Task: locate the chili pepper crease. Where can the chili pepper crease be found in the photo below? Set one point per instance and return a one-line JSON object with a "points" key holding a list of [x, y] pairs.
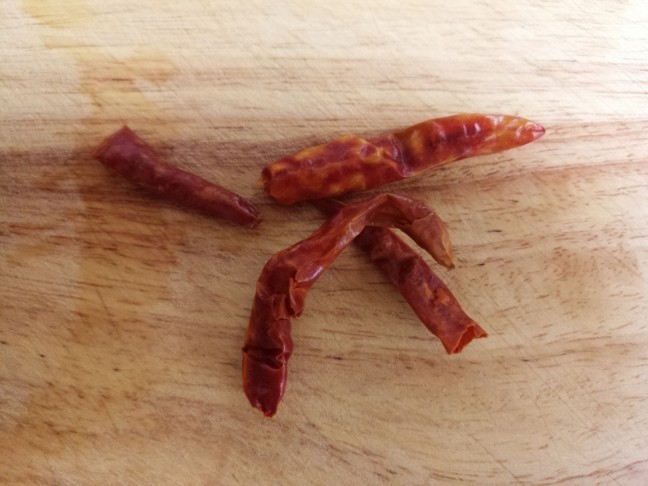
{"points": [[131, 157], [289, 274]]}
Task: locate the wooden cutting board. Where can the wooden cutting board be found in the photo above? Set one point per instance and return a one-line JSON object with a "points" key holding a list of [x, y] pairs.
{"points": [[122, 316]]}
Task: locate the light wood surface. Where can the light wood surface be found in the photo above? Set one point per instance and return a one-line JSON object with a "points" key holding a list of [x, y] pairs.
{"points": [[122, 316]]}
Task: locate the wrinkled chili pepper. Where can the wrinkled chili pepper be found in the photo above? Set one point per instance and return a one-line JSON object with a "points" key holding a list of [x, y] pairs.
{"points": [[131, 157], [289, 274], [424, 291], [355, 164]]}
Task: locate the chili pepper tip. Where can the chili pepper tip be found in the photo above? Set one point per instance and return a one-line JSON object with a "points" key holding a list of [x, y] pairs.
{"points": [[531, 131]]}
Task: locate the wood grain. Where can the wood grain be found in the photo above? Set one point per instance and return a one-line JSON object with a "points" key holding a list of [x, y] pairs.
{"points": [[122, 316]]}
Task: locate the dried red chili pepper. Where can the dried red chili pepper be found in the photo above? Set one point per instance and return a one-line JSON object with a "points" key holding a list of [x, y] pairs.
{"points": [[288, 275], [355, 164], [135, 160], [424, 291]]}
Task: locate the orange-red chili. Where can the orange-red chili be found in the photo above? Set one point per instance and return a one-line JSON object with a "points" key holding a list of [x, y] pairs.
{"points": [[424, 291], [355, 164]]}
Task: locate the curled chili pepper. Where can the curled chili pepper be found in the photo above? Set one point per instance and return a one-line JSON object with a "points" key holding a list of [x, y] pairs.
{"points": [[134, 159], [424, 291], [289, 274], [355, 164]]}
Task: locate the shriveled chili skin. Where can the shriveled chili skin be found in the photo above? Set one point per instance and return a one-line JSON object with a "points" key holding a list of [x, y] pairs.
{"points": [[355, 164], [424, 291], [288, 275], [131, 157]]}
